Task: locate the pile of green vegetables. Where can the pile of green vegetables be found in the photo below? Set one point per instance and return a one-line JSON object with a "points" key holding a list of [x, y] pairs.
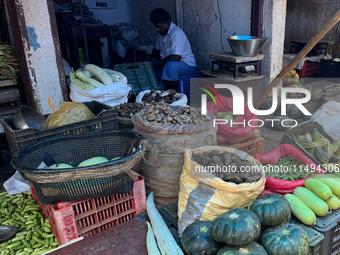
{"points": [[34, 234], [9, 65], [288, 169]]}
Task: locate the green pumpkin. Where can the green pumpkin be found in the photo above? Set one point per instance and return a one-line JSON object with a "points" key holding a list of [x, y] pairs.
{"points": [[278, 126], [196, 239], [287, 239], [267, 104], [292, 111], [250, 249], [238, 226], [272, 209]]}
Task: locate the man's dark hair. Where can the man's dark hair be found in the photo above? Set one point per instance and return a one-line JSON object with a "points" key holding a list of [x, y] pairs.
{"points": [[160, 15]]}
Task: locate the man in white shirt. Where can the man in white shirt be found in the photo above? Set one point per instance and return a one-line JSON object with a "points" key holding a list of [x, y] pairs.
{"points": [[172, 51]]}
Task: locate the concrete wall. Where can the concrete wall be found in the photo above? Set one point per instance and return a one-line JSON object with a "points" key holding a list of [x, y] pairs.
{"points": [[274, 29], [306, 18], [139, 13], [113, 16], [40, 54], [209, 23]]}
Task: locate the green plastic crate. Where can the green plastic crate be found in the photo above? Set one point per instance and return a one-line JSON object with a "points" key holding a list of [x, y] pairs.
{"points": [[140, 75]]}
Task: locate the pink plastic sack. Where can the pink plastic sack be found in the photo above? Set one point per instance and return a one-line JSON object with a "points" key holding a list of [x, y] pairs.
{"points": [[277, 191], [227, 133], [272, 157]]}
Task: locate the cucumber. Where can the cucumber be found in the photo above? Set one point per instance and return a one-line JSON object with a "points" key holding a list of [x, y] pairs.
{"points": [[316, 204], [319, 188], [330, 181], [333, 202], [300, 210]]}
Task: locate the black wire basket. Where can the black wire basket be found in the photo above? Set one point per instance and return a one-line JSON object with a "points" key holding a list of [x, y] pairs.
{"points": [[79, 183]]}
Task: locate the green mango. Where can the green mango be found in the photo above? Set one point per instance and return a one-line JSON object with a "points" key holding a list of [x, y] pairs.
{"points": [[220, 115], [116, 158], [93, 161], [59, 166]]}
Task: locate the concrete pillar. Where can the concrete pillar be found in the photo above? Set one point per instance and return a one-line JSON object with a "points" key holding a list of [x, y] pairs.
{"points": [[274, 23], [44, 72]]}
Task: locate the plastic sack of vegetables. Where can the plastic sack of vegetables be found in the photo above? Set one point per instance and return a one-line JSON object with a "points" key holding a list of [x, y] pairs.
{"points": [[286, 186], [99, 84], [238, 132], [203, 196], [68, 113]]}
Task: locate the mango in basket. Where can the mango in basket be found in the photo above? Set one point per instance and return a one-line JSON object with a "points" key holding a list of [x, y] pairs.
{"points": [[59, 166], [93, 161], [116, 158]]}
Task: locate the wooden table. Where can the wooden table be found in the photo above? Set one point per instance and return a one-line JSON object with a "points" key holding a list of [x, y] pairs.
{"points": [[128, 238], [229, 59]]}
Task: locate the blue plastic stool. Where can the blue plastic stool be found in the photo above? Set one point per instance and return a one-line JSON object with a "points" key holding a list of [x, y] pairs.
{"points": [[184, 84]]}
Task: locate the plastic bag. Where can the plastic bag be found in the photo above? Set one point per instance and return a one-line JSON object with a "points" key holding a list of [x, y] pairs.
{"points": [[68, 113], [182, 98], [206, 196], [16, 184], [328, 117], [112, 94], [239, 130], [272, 157]]}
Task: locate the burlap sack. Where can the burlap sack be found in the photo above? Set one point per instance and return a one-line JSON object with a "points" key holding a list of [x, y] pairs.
{"points": [[164, 156], [331, 93]]}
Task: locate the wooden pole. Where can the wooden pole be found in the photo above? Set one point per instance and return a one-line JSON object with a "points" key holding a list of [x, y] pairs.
{"points": [[298, 57]]}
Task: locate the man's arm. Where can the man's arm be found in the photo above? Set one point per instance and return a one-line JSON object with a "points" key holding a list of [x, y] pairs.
{"points": [[162, 62], [156, 54]]}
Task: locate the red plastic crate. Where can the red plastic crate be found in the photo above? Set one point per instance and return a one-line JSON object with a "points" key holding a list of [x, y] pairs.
{"points": [[309, 69], [86, 218]]}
